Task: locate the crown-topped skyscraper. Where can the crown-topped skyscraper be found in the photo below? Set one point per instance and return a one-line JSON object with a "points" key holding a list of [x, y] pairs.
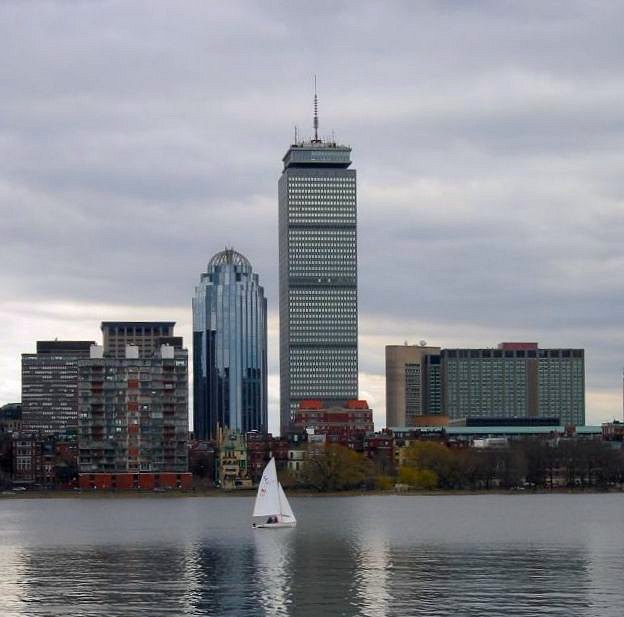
{"points": [[229, 348], [318, 274]]}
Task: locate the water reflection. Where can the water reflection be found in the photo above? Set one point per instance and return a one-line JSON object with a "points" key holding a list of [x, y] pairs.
{"points": [[335, 563], [373, 571], [273, 568], [509, 580]]}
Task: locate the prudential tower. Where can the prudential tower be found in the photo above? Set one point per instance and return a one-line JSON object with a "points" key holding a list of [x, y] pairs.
{"points": [[317, 274]]}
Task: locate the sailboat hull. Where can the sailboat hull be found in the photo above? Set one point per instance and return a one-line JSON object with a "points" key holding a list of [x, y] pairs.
{"points": [[273, 525]]}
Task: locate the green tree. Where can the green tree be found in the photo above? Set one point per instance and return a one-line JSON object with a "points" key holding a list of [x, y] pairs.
{"points": [[435, 457], [423, 479], [336, 468]]}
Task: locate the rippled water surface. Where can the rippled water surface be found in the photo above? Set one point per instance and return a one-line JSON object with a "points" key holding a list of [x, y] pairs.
{"points": [[383, 556]]}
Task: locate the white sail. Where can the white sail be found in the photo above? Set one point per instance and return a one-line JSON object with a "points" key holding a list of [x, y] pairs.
{"points": [[286, 513], [271, 501], [267, 499]]}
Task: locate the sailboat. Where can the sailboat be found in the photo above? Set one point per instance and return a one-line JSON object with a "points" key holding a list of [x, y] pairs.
{"points": [[272, 509]]}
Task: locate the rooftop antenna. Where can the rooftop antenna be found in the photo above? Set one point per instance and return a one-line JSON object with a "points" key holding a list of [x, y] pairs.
{"points": [[296, 135], [316, 122]]}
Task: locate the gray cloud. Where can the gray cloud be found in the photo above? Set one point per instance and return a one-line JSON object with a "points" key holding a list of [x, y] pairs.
{"points": [[138, 139]]}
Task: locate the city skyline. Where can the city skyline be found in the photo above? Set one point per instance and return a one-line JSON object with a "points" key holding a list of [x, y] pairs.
{"points": [[488, 162]]}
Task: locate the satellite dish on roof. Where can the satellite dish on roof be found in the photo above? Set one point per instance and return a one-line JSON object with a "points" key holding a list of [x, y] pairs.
{"points": [[422, 343]]}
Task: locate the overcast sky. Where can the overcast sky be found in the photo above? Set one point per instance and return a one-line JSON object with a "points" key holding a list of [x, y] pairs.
{"points": [[139, 138]]}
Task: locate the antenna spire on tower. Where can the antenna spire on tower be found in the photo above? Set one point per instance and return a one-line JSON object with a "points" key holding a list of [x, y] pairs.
{"points": [[316, 120]]}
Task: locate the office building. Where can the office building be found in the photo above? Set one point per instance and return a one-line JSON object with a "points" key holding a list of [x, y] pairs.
{"points": [[50, 386], [413, 385], [133, 415], [229, 348], [514, 380], [317, 275], [429, 386], [146, 335]]}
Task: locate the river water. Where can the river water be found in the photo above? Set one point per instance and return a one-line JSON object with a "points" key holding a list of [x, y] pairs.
{"points": [[376, 555]]}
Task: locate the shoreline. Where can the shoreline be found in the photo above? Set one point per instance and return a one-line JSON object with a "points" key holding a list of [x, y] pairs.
{"points": [[217, 493]]}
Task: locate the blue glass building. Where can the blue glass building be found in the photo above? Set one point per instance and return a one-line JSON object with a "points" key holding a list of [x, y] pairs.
{"points": [[229, 348]]}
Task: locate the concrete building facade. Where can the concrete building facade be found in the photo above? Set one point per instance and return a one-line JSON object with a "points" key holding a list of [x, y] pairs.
{"points": [[146, 335], [134, 412], [50, 386], [318, 295], [514, 380], [413, 384]]}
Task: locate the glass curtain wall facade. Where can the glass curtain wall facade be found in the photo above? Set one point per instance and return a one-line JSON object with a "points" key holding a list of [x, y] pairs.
{"points": [[318, 276], [229, 348]]}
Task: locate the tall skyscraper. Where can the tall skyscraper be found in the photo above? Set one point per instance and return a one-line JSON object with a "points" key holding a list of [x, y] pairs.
{"points": [[50, 386], [229, 348], [317, 275]]}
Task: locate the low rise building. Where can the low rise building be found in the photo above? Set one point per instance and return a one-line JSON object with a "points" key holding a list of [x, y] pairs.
{"points": [[47, 461], [342, 422], [613, 431], [379, 448], [26, 458], [301, 452], [11, 418], [260, 448], [232, 467]]}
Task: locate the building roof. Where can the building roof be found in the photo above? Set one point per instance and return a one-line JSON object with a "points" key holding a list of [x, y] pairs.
{"points": [[228, 257], [314, 404], [317, 153], [497, 430], [107, 324], [60, 346]]}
